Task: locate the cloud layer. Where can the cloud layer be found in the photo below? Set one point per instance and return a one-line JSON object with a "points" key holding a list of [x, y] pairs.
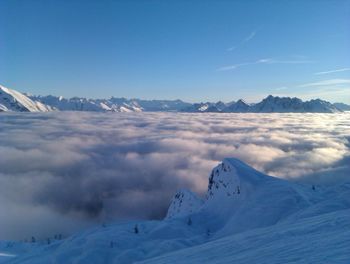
{"points": [[62, 171]]}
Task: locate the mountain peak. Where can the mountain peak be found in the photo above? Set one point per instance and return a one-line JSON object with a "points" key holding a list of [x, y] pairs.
{"points": [[184, 202], [229, 177], [11, 100]]}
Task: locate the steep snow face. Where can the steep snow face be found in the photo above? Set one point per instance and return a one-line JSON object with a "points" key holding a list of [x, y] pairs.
{"points": [[11, 100], [183, 203], [226, 179]]}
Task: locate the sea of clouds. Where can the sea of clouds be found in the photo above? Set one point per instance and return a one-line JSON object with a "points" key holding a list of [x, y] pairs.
{"points": [[63, 171]]}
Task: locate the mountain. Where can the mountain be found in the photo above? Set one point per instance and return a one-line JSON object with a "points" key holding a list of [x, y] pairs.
{"points": [[162, 105], [11, 100], [84, 104], [270, 104], [183, 203], [238, 107], [112, 104], [342, 107], [275, 104], [245, 217], [200, 107]]}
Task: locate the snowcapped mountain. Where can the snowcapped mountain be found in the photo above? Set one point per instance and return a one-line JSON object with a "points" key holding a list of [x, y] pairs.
{"points": [[272, 104], [199, 107], [245, 217], [112, 104], [84, 104], [11, 100], [16, 101]]}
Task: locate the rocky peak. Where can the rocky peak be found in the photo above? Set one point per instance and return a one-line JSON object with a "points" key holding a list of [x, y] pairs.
{"points": [[183, 203]]}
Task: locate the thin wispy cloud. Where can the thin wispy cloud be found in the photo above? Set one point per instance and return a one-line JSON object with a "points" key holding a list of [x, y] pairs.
{"points": [[326, 83], [282, 88], [332, 71], [263, 61], [251, 36], [245, 40]]}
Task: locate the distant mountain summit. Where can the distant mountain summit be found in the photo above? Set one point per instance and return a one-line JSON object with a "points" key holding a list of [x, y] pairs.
{"points": [[11, 100], [238, 107], [270, 104], [275, 104]]}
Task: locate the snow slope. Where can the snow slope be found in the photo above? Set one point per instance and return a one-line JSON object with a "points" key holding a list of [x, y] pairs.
{"points": [[245, 217], [11, 100]]}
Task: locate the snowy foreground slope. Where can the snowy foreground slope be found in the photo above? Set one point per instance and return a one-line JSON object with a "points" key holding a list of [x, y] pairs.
{"points": [[246, 217]]}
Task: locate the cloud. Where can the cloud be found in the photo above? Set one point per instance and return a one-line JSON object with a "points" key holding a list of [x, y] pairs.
{"points": [[67, 170], [245, 40], [250, 37], [263, 61], [332, 71], [327, 83]]}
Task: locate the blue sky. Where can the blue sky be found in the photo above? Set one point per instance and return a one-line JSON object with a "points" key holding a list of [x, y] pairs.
{"points": [[192, 50]]}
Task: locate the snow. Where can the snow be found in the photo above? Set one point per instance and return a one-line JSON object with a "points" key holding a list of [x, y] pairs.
{"points": [[11, 100], [245, 217], [270, 104], [112, 104], [318, 239], [183, 203]]}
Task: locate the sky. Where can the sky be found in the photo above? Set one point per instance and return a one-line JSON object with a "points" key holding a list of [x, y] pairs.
{"points": [[189, 50]]}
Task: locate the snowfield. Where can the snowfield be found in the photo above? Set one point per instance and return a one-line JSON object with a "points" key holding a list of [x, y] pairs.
{"points": [[245, 217]]}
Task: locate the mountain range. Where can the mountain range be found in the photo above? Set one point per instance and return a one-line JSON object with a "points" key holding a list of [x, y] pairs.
{"points": [[245, 217], [11, 100]]}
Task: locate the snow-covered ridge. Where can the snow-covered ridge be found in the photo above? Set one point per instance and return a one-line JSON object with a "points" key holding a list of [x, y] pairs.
{"points": [[245, 217], [11, 100]]}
